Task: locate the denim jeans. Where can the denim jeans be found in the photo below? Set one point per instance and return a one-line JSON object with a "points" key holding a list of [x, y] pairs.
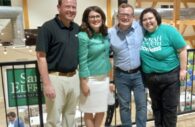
{"points": [[125, 83], [164, 93]]}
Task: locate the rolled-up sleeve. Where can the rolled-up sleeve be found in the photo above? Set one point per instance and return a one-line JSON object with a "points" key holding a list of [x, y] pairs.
{"points": [[83, 55]]}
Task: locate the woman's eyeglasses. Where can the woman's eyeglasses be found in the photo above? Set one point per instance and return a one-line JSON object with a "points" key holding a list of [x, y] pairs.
{"points": [[93, 17]]}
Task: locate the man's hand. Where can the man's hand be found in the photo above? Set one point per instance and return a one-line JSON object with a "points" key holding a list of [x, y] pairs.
{"points": [[49, 91]]}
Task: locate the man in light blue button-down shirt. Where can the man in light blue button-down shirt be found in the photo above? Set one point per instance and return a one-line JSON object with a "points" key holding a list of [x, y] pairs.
{"points": [[126, 39]]}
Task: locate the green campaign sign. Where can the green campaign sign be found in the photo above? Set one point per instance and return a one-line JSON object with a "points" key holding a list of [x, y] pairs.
{"points": [[22, 87]]}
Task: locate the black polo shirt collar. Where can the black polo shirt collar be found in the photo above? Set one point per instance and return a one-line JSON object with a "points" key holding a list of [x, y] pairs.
{"points": [[61, 25]]}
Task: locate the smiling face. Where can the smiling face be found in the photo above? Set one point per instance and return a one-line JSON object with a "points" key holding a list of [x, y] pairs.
{"points": [[67, 10], [149, 22], [125, 17], [95, 20]]}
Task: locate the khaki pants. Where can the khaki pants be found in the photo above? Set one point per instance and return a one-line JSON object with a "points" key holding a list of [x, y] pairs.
{"points": [[61, 110]]}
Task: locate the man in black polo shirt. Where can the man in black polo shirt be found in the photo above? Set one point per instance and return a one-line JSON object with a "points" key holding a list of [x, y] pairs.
{"points": [[57, 49]]}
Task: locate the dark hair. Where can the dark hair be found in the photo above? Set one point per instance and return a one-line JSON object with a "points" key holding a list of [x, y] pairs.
{"points": [[125, 5], [59, 2], [12, 114], [154, 12], [85, 24]]}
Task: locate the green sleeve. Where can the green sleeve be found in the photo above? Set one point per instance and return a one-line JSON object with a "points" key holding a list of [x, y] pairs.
{"points": [[83, 54], [176, 38]]}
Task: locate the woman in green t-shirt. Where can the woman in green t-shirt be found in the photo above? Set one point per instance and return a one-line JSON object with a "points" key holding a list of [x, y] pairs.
{"points": [[164, 57]]}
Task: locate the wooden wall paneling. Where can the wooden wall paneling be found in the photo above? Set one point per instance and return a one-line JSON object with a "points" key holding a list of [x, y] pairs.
{"points": [[25, 13], [185, 3], [138, 4], [109, 13], [176, 12], [154, 3], [183, 26]]}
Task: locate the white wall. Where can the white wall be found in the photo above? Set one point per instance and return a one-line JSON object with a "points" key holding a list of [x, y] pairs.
{"points": [[16, 3], [40, 11]]}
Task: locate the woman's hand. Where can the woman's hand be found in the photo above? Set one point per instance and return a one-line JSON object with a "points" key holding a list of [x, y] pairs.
{"points": [[84, 86], [182, 75], [112, 87], [183, 63]]}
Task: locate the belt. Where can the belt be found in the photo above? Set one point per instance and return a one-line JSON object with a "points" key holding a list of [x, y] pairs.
{"points": [[129, 71], [67, 74]]}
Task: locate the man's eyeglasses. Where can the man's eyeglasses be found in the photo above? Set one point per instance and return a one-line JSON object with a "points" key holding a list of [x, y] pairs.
{"points": [[123, 15], [93, 17]]}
